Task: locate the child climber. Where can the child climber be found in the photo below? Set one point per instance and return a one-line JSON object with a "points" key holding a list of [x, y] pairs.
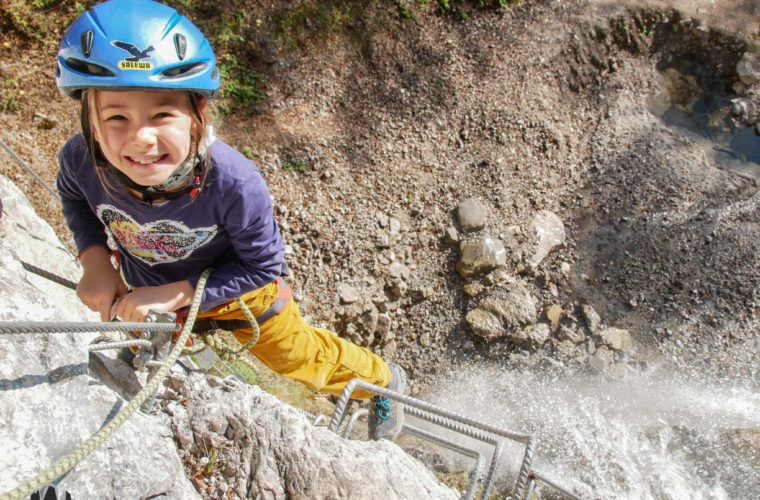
{"points": [[177, 201]]}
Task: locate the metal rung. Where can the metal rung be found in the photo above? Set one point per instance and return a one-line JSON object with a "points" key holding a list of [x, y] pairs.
{"points": [[472, 428], [451, 445]]}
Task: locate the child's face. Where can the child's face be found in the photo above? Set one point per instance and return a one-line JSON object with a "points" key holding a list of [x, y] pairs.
{"points": [[146, 135]]}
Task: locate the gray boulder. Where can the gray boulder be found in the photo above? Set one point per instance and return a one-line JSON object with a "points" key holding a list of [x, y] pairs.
{"points": [[472, 215], [503, 313], [480, 255]]}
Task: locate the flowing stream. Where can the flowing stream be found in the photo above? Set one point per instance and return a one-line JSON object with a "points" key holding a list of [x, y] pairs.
{"points": [[655, 434]]}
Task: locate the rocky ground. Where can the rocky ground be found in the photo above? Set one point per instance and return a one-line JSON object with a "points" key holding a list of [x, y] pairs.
{"points": [[554, 116]]}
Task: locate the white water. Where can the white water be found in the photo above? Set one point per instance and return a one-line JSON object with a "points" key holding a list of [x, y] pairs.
{"points": [[652, 435]]}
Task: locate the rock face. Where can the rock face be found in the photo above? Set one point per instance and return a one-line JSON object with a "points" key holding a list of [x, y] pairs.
{"points": [[49, 405], [264, 449], [257, 446]]}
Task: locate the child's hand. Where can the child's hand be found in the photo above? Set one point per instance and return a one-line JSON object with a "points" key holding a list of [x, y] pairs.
{"points": [[101, 283], [134, 306]]}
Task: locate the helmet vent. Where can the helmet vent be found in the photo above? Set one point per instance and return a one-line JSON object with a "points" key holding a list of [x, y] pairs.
{"points": [[85, 40], [180, 44], [88, 68], [184, 70]]}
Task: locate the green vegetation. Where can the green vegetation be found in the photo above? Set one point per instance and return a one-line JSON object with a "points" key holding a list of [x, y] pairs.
{"points": [[294, 166], [247, 152], [235, 47], [39, 20], [403, 11], [246, 372], [242, 36]]}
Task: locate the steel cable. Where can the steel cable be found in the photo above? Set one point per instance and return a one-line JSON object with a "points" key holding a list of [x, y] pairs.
{"points": [[47, 274], [21, 327]]}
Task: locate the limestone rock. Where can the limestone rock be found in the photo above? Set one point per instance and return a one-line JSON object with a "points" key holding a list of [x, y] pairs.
{"points": [[532, 337], [573, 335], [748, 68], [547, 232], [480, 255], [591, 317], [49, 405], [617, 339], [472, 215], [473, 289], [452, 236], [347, 293], [553, 313], [498, 316], [277, 453], [398, 270]]}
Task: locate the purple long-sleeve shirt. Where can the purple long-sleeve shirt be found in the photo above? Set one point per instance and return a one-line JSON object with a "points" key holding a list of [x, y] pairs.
{"points": [[229, 226]]}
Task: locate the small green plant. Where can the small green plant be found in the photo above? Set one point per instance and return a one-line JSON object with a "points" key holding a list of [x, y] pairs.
{"points": [[294, 166], [212, 456], [246, 372], [231, 28], [243, 85], [403, 11], [10, 102], [247, 152], [444, 6], [422, 3]]}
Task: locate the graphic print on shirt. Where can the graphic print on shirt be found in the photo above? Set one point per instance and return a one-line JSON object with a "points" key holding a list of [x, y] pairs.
{"points": [[157, 242]]}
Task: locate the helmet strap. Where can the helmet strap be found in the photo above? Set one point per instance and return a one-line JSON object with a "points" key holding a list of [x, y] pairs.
{"points": [[190, 183]]}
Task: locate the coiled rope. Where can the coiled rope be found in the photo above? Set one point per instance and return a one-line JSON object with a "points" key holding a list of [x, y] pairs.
{"points": [[70, 461], [225, 351]]}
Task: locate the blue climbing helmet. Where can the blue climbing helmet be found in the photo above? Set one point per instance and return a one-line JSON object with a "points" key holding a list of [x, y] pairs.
{"points": [[135, 44]]}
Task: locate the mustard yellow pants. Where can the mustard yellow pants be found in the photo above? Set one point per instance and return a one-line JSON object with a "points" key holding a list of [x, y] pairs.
{"points": [[316, 357]]}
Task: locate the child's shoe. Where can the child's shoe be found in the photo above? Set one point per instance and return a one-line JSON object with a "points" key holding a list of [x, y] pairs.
{"points": [[386, 417]]}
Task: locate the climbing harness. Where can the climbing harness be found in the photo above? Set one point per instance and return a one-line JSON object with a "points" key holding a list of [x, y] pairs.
{"points": [[284, 295]]}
